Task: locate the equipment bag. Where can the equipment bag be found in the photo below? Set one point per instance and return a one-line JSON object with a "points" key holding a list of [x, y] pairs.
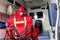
{"points": [[2, 25]]}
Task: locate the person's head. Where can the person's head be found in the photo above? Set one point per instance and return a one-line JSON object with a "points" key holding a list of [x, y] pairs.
{"points": [[10, 10], [21, 10]]}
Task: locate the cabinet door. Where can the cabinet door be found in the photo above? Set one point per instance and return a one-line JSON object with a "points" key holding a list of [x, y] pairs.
{"points": [[3, 17]]}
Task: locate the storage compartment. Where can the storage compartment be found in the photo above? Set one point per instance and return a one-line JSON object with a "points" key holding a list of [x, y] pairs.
{"points": [[3, 17], [40, 14], [32, 14]]}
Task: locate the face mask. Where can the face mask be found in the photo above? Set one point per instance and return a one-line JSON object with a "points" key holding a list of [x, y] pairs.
{"points": [[35, 17], [21, 13]]}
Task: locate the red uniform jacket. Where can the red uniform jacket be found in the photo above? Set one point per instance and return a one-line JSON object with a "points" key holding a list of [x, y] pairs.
{"points": [[20, 27]]}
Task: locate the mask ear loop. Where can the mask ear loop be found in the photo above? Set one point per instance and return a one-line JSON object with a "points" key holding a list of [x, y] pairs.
{"points": [[25, 25]]}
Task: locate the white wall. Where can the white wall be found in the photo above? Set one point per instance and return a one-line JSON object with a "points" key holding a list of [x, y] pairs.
{"points": [[3, 6], [52, 1], [45, 23]]}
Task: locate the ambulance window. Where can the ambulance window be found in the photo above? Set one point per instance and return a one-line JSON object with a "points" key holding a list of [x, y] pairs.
{"points": [[17, 4], [32, 14], [11, 1], [40, 14]]}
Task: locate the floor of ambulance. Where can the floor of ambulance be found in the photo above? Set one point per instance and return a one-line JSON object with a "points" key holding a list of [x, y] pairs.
{"points": [[42, 36]]}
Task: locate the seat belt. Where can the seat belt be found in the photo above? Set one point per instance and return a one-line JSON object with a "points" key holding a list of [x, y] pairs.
{"points": [[24, 22], [15, 32]]}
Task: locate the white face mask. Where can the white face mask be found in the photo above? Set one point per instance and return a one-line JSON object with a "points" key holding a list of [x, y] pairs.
{"points": [[35, 17], [21, 13]]}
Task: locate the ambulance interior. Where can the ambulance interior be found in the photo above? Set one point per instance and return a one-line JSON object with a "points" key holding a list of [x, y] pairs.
{"points": [[39, 10]]}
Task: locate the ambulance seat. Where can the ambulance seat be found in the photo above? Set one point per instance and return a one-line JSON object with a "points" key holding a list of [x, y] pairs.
{"points": [[38, 24], [44, 36]]}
